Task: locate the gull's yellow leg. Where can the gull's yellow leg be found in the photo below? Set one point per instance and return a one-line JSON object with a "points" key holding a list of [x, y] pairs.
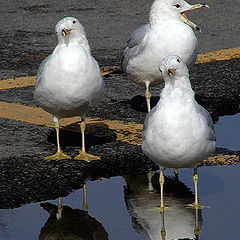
{"points": [[148, 96], [161, 181], [195, 180], [85, 206], [83, 155], [196, 205], [59, 155]]}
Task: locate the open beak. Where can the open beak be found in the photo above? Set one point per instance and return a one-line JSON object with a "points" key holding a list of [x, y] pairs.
{"points": [[171, 71], [66, 32], [187, 21]]}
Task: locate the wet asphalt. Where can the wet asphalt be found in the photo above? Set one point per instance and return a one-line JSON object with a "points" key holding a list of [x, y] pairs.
{"points": [[27, 37]]}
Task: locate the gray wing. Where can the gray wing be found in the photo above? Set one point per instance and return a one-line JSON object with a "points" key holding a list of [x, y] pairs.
{"points": [[207, 116], [134, 45], [40, 70]]}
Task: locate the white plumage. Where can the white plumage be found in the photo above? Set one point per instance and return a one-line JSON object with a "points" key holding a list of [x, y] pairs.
{"points": [[69, 80], [178, 132]]}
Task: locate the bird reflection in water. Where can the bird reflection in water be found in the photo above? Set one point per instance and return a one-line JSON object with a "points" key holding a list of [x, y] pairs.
{"points": [[65, 223], [143, 205]]}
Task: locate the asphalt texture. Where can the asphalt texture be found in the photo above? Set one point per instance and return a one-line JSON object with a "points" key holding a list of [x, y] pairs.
{"points": [[28, 36]]}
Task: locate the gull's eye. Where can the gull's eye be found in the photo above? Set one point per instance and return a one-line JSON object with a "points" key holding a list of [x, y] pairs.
{"points": [[74, 21], [177, 5], [178, 60]]}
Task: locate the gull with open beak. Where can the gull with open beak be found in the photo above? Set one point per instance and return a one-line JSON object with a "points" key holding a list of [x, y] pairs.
{"points": [[69, 81], [169, 31]]}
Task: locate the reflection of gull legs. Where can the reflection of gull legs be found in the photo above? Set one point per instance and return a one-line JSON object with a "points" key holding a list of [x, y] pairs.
{"points": [[59, 155], [163, 231], [85, 206], [83, 155], [161, 181], [59, 212], [196, 229]]}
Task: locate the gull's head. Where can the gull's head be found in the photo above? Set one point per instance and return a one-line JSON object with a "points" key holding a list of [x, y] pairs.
{"points": [[68, 29], [172, 66], [174, 9]]}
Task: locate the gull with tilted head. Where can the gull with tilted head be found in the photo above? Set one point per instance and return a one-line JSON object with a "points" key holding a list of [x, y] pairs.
{"points": [[177, 132], [69, 81], [168, 32]]}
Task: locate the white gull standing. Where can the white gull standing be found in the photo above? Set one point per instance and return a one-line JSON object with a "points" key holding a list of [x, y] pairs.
{"points": [[69, 81], [177, 132], [168, 32]]}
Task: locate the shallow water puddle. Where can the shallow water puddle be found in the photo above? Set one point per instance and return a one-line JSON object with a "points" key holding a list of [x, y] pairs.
{"points": [[227, 131], [138, 217], [124, 208]]}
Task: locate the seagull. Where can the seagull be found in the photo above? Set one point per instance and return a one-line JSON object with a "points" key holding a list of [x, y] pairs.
{"points": [[69, 81], [169, 31], [177, 132]]}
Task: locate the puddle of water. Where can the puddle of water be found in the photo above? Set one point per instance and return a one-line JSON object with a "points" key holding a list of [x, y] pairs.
{"points": [[137, 219], [227, 131], [124, 208]]}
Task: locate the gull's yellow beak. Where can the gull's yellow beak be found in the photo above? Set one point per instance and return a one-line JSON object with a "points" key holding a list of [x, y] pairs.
{"points": [[187, 21], [171, 71], [199, 5], [66, 32]]}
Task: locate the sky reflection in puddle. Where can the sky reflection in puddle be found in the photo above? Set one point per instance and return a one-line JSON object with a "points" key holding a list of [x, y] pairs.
{"points": [[227, 131], [218, 188], [126, 214]]}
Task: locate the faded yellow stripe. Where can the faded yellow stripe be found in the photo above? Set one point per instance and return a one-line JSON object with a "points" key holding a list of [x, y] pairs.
{"points": [[125, 131], [221, 55], [17, 82]]}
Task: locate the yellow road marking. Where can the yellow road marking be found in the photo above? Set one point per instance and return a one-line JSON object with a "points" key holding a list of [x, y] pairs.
{"points": [[221, 55], [17, 82], [124, 131]]}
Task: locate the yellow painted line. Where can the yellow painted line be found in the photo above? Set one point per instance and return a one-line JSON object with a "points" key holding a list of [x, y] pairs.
{"points": [[221, 55], [125, 131], [17, 82]]}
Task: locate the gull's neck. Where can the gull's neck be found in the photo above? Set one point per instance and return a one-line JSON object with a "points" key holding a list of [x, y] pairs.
{"points": [[181, 84], [76, 41]]}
